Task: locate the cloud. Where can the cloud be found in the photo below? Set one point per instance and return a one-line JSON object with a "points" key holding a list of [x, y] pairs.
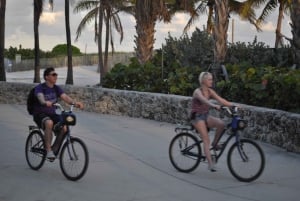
{"points": [[50, 18], [269, 26]]}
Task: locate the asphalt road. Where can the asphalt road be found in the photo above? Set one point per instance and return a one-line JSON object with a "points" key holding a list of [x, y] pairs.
{"points": [[129, 162]]}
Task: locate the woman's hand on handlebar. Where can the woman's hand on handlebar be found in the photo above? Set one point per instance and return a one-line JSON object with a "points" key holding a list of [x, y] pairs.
{"points": [[217, 107]]}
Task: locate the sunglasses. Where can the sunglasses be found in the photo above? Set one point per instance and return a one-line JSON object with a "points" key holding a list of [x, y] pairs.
{"points": [[53, 74]]}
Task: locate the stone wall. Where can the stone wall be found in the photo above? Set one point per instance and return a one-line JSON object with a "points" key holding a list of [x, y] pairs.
{"points": [[272, 126]]}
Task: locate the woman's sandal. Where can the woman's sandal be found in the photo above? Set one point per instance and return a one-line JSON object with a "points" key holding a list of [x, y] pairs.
{"points": [[218, 146]]}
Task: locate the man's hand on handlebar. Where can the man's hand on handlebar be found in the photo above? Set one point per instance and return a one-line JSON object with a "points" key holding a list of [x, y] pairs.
{"points": [[78, 105]]}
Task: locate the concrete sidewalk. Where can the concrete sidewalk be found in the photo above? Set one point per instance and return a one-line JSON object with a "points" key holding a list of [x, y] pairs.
{"points": [[129, 161]]}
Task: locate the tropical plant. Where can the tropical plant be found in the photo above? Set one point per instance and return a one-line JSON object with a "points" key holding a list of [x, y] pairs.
{"points": [[69, 79], [101, 11], [147, 13], [2, 39], [295, 25], [269, 7], [37, 12], [217, 24]]}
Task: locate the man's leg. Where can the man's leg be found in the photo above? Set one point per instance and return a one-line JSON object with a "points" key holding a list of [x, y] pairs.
{"points": [[48, 125]]}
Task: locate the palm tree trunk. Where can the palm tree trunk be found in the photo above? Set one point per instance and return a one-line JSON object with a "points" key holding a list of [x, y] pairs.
{"points": [[278, 39], [145, 28], [38, 5], [295, 16], [100, 53], [220, 36], [2, 39], [107, 31], [69, 79]]}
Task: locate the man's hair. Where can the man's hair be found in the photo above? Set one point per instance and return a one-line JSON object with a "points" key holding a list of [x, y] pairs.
{"points": [[47, 71]]}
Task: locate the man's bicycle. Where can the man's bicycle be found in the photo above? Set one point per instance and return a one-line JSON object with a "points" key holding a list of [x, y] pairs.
{"points": [[72, 151], [245, 158]]}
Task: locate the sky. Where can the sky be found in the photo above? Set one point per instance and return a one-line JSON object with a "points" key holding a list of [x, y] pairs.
{"points": [[19, 28]]}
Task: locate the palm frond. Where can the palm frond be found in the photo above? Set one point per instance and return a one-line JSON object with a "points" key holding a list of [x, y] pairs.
{"points": [[89, 17], [199, 10]]}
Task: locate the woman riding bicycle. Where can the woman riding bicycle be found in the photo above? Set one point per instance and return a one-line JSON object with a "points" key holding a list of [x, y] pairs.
{"points": [[201, 119]]}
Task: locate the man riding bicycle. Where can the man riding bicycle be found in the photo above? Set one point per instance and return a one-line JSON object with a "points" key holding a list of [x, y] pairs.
{"points": [[44, 114]]}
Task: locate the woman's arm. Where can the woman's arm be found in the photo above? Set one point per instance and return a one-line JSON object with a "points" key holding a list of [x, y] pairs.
{"points": [[218, 98]]}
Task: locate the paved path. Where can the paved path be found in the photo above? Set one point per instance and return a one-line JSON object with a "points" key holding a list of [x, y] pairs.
{"points": [[129, 162]]}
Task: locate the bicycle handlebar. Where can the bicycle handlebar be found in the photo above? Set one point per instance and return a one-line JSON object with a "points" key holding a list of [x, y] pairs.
{"points": [[230, 110], [59, 106]]}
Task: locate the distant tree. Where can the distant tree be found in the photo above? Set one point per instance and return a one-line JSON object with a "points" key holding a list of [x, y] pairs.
{"points": [[61, 50], [2, 39]]}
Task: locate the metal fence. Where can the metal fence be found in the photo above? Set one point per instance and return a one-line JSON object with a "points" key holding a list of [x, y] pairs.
{"points": [[85, 60]]}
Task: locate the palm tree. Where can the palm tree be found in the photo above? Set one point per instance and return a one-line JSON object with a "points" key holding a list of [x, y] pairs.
{"points": [[37, 12], [295, 25], [69, 79], [147, 12], [269, 7], [101, 11], [217, 25], [2, 39]]}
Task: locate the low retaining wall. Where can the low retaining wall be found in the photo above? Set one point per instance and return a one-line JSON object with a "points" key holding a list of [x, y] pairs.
{"points": [[268, 125]]}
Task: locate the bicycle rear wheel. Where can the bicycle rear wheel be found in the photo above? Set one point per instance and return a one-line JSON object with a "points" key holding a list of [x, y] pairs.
{"points": [[185, 152], [74, 159], [246, 160], [35, 150]]}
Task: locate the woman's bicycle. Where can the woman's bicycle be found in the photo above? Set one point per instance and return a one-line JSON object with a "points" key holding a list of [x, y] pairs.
{"points": [[72, 151], [245, 158]]}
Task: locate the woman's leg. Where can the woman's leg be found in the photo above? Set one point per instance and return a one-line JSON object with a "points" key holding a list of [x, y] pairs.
{"points": [[202, 129], [213, 122]]}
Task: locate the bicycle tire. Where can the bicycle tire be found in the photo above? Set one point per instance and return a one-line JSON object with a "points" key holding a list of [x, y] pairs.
{"points": [[246, 170], [185, 152], [74, 159], [35, 153]]}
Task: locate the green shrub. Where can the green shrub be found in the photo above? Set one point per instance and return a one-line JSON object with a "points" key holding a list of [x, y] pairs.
{"points": [[271, 87]]}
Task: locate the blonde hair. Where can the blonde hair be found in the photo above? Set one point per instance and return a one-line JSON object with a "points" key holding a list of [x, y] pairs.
{"points": [[203, 76]]}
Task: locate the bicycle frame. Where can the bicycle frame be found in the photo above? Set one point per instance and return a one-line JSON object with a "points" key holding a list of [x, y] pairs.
{"points": [[232, 127]]}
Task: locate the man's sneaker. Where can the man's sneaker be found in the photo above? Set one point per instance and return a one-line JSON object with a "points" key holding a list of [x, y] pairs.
{"points": [[212, 168], [50, 155]]}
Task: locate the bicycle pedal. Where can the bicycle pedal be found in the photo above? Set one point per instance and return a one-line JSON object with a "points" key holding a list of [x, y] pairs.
{"points": [[51, 159]]}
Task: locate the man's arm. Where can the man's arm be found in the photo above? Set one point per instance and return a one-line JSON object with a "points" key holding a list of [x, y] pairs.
{"points": [[70, 101]]}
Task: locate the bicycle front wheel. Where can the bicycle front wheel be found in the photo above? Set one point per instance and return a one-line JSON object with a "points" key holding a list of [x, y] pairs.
{"points": [[185, 152], [35, 150], [74, 159], [246, 160]]}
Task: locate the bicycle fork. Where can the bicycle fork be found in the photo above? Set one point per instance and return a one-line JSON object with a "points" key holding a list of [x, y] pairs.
{"points": [[242, 153], [71, 149]]}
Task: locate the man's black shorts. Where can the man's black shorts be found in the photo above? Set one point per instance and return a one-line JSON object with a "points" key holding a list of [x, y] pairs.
{"points": [[39, 119]]}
